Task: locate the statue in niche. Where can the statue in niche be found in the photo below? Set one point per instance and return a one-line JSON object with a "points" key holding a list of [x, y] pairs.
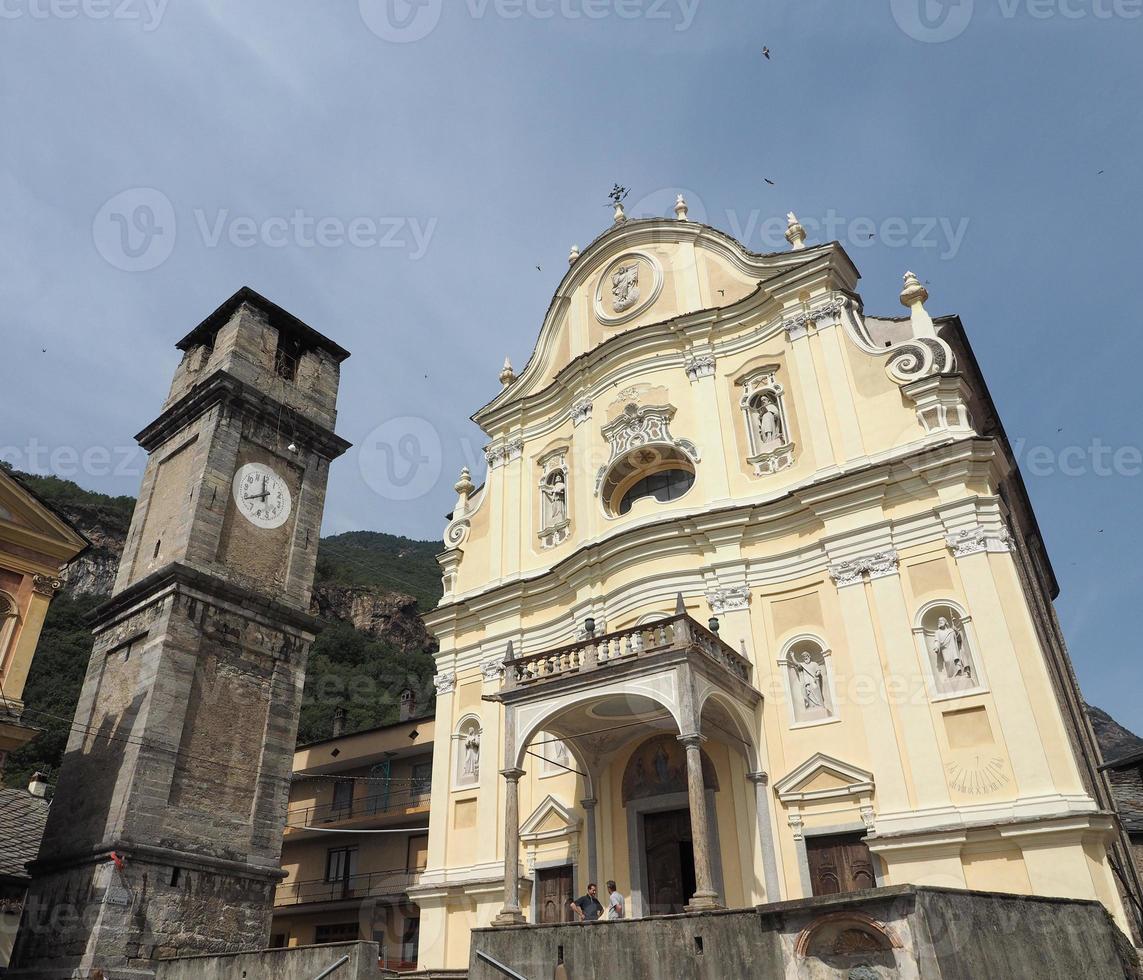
{"points": [[625, 287], [769, 422], [811, 676], [472, 754], [559, 753], [947, 644], [952, 660], [555, 491]]}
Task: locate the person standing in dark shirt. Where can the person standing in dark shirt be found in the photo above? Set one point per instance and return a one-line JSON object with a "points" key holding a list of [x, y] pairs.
{"points": [[587, 908]]}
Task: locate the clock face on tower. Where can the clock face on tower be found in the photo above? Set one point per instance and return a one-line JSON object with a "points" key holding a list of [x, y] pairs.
{"points": [[262, 496]]}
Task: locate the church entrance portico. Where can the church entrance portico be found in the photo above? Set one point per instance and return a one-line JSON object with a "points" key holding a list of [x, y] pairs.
{"points": [[634, 709]]}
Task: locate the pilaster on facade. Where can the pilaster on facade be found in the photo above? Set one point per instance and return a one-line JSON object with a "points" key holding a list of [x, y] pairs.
{"points": [[942, 402]]}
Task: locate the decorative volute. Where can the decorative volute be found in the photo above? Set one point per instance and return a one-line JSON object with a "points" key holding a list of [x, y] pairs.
{"points": [[573, 255], [681, 210], [913, 296], [795, 233], [507, 375]]}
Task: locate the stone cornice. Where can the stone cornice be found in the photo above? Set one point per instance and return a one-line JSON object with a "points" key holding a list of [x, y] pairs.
{"points": [[223, 388], [556, 585], [178, 577]]}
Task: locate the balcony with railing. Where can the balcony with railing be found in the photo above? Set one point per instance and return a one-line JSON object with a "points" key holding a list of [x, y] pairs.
{"points": [[376, 884], [377, 806], [679, 634]]}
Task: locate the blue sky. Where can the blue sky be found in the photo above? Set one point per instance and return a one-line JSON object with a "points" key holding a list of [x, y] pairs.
{"points": [[158, 155]]}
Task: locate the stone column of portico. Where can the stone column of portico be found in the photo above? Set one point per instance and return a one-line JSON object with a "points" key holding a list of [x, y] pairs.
{"points": [[761, 783], [590, 872], [511, 915], [705, 896]]}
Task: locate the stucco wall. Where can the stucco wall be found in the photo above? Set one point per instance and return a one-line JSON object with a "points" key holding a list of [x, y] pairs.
{"points": [[299, 963], [929, 934]]}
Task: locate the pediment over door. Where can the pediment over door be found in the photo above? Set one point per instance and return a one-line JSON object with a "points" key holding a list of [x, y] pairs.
{"points": [[822, 777], [550, 821]]}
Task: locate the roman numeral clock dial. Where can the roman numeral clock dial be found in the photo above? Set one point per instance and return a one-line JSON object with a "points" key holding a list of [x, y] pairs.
{"points": [[262, 496]]}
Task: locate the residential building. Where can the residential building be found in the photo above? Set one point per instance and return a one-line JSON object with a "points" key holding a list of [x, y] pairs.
{"points": [[23, 814], [1126, 776], [356, 839], [36, 543], [752, 606]]}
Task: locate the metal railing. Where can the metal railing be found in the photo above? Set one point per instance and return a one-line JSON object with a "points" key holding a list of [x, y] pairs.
{"points": [[595, 652], [355, 886], [376, 804]]}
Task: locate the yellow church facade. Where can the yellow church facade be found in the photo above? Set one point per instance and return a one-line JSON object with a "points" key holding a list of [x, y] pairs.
{"points": [[752, 606]]}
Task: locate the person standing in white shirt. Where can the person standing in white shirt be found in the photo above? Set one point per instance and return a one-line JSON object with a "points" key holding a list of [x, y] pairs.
{"points": [[615, 908]]}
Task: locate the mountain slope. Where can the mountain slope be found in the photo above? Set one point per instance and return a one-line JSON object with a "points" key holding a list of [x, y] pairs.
{"points": [[368, 593]]}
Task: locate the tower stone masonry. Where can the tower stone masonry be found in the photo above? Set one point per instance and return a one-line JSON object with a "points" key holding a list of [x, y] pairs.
{"points": [[165, 834]]}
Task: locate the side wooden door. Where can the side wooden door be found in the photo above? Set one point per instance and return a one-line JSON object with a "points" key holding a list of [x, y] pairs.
{"points": [[840, 864], [554, 892]]}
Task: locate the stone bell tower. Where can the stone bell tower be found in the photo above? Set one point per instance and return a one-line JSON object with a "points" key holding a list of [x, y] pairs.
{"points": [[165, 834]]}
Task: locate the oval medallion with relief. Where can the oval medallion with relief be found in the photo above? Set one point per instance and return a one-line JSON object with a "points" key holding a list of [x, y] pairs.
{"points": [[629, 285]]}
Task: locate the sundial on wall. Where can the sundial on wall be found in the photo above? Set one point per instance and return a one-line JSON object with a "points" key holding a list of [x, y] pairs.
{"points": [[977, 775]]}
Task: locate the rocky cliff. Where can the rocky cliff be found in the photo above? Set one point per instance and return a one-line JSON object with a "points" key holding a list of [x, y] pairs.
{"points": [[390, 617], [369, 591]]}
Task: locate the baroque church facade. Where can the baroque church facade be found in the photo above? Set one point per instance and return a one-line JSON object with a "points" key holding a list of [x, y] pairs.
{"points": [[752, 606]]}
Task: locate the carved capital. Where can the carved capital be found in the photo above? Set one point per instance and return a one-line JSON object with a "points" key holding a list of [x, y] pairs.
{"points": [[759, 778], [797, 326], [492, 669], [512, 775], [692, 741], [46, 584], [699, 366], [498, 454], [851, 570], [581, 411], [728, 600], [973, 540], [444, 683]]}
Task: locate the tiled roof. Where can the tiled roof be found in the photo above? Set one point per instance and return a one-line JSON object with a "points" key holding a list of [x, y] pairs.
{"points": [[1127, 786], [22, 820]]}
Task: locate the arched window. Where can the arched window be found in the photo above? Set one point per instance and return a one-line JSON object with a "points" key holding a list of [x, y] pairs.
{"points": [[646, 460], [947, 645], [663, 486], [663, 473], [809, 678], [467, 739]]}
